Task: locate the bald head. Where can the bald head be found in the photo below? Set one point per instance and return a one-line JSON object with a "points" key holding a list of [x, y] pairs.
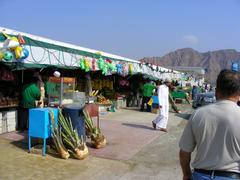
{"points": [[228, 84]]}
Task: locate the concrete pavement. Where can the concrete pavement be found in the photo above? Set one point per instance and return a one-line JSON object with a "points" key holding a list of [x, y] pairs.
{"points": [[156, 159]]}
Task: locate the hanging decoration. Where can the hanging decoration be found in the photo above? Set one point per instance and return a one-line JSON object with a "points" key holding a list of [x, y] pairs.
{"points": [[100, 63], [82, 63], [93, 64], [8, 55], [111, 66], [12, 48], [130, 69], [119, 69], [86, 65], [18, 52], [125, 69], [105, 69], [21, 40], [24, 54]]}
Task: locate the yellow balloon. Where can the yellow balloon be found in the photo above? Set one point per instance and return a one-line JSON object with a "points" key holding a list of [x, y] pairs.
{"points": [[13, 43], [1, 55], [18, 52], [14, 39]]}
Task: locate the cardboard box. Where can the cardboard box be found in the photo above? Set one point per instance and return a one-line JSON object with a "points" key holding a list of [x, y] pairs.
{"points": [[8, 121]]}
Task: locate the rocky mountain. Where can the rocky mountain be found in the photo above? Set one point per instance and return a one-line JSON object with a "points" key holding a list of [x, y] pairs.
{"points": [[212, 61]]}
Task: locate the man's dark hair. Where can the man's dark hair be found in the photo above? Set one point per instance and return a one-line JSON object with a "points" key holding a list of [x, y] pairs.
{"points": [[228, 83]]}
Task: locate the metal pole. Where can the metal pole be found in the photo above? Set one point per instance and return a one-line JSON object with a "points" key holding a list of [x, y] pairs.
{"points": [[61, 93]]}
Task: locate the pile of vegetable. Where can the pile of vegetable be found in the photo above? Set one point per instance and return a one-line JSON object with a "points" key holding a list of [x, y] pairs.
{"points": [[66, 138], [97, 138]]}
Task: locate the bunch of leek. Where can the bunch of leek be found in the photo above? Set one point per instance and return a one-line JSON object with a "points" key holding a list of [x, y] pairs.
{"points": [[97, 138], [57, 138], [70, 137]]}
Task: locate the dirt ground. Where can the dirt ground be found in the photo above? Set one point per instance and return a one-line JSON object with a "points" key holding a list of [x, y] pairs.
{"points": [[155, 156]]}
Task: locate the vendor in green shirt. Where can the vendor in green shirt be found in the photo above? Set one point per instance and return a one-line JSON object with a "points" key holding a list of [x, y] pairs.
{"points": [[30, 94], [147, 94]]}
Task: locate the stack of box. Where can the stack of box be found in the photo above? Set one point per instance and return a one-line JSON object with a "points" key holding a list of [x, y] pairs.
{"points": [[4, 122], [8, 121], [11, 121]]}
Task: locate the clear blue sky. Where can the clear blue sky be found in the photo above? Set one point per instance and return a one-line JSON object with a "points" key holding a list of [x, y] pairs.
{"points": [[130, 28]]}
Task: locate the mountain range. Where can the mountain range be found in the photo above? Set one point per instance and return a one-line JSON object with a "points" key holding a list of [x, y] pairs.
{"points": [[212, 61]]}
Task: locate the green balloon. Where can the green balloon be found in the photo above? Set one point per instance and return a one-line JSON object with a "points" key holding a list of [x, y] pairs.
{"points": [[112, 67], [100, 63], [8, 56], [82, 64]]}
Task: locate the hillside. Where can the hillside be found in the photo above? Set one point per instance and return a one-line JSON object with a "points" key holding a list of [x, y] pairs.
{"points": [[212, 61]]}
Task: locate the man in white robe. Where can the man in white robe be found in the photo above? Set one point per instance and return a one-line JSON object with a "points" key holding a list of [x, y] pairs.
{"points": [[161, 120]]}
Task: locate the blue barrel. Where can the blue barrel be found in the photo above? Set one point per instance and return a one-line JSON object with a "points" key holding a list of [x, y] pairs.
{"points": [[75, 113]]}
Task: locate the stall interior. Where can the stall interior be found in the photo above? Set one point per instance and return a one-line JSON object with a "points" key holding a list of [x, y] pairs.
{"points": [[77, 87], [9, 98]]}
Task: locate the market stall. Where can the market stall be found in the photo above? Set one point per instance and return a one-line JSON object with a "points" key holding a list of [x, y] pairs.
{"points": [[109, 81]]}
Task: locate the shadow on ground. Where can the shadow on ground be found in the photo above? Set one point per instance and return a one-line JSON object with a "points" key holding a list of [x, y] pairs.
{"points": [[22, 144], [185, 116], [138, 126]]}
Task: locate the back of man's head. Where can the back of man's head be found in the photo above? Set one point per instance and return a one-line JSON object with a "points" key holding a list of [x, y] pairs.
{"points": [[228, 84]]}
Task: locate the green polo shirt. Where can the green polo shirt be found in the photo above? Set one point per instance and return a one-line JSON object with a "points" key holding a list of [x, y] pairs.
{"points": [[30, 94], [148, 89]]}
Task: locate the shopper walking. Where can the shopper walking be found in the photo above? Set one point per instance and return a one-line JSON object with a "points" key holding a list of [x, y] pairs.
{"points": [[163, 97], [214, 130]]}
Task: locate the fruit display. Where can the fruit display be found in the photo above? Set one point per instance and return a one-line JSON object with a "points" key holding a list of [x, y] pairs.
{"points": [[102, 100], [100, 84], [94, 93]]}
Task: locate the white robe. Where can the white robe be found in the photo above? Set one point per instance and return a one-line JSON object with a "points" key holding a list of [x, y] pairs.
{"points": [[162, 119]]}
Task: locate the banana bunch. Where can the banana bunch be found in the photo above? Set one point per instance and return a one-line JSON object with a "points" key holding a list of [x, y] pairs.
{"points": [[101, 99], [94, 93]]}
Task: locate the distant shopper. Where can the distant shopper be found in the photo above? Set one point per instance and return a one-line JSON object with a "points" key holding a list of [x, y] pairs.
{"points": [[163, 97], [214, 131], [194, 91], [30, 94], [148, 88]]}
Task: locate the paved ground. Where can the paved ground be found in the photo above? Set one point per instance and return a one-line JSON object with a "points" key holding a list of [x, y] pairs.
{"points": [[155, 158]]}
